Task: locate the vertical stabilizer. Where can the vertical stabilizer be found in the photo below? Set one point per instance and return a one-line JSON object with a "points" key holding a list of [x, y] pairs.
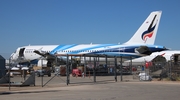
{"points": [[146, 34]]}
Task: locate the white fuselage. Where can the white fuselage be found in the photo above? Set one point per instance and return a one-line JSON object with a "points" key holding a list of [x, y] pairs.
{"points": [[167, 54], [27, 52]]}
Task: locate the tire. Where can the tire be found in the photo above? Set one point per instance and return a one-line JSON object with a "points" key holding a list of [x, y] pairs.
{"points": [[49, 64], [38, 75]]}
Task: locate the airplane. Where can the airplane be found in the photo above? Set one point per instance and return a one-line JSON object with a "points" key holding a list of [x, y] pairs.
{"points": [[163, 56], [140, 44]]}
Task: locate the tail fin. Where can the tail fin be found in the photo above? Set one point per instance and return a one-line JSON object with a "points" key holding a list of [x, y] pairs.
{"points": [[146, 34]]}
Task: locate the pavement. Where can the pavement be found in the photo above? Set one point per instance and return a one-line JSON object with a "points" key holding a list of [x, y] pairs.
{"points": [[104, 89]]}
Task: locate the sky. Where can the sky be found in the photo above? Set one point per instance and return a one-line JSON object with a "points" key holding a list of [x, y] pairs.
{"points": [[55, 22]]}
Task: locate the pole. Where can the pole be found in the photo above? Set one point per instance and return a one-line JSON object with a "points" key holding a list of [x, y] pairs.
{"points": [[121, 69], [41, 73], [67, 70], [9, 80], [71, 67], [115, 71], [9, 74], [84, 66], [106, 64], [94, 72], [131, 66], [145, 70], [170, 69]]}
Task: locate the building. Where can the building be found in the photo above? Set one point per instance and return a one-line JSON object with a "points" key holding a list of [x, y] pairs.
{"points": [[2, 66]]}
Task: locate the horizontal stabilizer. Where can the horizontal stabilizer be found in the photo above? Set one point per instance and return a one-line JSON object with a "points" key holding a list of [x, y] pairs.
{"points": [[159, 59], [143, 50]]}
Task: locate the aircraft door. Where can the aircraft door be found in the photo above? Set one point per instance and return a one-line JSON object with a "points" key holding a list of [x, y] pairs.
{"points": [[21, 52]]}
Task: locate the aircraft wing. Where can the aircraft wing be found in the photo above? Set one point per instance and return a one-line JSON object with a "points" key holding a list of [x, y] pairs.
{"points": [[39, 53], [48, 56]]}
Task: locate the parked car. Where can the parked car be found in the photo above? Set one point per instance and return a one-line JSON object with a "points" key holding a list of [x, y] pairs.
{"points": [[42, 72]]}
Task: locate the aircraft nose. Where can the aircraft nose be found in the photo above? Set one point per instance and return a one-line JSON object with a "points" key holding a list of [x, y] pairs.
{"points": [[13, 56]]}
